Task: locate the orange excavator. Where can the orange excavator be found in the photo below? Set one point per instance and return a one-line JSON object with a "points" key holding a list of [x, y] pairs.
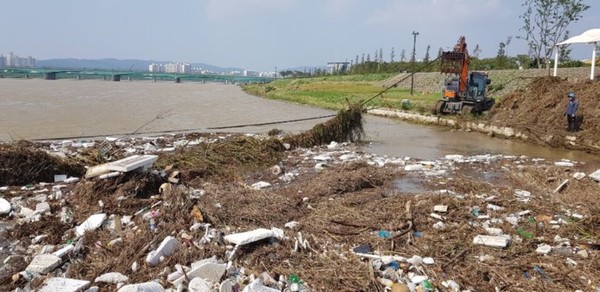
{"points": [[464, 92]]}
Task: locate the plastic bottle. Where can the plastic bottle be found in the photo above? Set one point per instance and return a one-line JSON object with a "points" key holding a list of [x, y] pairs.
{"points": [[153, 227]]}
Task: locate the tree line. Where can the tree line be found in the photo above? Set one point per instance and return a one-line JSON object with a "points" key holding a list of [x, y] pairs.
{"points": [[545, 24]]}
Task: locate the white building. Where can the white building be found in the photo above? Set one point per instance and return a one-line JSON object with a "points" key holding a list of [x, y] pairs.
{"points": [[156, 68], [12, 60]]}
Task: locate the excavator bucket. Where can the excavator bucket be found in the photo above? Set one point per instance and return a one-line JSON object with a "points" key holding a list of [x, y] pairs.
{"points": [[452, 62]]}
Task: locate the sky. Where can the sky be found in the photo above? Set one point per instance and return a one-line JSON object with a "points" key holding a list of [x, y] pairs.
{"points": [[263, 35]]}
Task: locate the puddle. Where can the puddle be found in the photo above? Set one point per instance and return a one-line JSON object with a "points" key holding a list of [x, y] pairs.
{"points": [[487, 176], [410, 185]]}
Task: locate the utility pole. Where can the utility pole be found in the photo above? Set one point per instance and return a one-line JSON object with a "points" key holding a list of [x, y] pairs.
{"points": [[412, 77]]}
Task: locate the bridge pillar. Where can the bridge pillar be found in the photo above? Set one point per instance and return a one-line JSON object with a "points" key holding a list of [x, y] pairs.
{"points": [[48, 76], [177, 80], [116, 78]]}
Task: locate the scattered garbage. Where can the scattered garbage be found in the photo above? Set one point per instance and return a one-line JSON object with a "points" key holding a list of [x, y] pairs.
{"points": [[180, 222]]}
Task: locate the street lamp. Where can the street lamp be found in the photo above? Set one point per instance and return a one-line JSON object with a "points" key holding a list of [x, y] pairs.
{"points": [[412, 77]]}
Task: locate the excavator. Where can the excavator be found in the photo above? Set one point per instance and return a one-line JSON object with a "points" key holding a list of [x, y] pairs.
{"points": [[464, 92]]}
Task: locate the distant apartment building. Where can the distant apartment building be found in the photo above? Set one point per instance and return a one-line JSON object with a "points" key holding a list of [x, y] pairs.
{"points": [[12, 60], [337, 67], [184, 68], [249, 73]]}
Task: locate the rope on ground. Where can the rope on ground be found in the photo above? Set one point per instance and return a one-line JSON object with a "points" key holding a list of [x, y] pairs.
{"points": [[271, 123], [397, 82]]}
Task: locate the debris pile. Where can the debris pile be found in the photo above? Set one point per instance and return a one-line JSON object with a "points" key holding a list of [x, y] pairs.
{"points": [[537, 112], [219, 212]]}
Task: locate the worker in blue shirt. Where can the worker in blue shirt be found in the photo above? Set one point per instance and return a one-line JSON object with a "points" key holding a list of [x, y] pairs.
{"points": [[571, 111]]}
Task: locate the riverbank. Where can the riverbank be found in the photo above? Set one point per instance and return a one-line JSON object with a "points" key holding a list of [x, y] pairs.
{"points": [[532, 113], [324, 218]]}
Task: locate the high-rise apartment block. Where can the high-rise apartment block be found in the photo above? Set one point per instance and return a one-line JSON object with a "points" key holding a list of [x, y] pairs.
{"points": [[12, 60], [184, 68]]}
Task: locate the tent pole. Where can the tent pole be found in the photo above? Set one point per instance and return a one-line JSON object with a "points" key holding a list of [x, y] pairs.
{"points": [[556, 60], [593, 60]]}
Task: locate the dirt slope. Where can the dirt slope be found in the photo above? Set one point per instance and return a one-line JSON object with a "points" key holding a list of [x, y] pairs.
{"points": [[537, 111]]}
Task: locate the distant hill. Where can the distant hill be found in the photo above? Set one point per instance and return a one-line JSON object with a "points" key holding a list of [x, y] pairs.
{"points": [[121, 65]]}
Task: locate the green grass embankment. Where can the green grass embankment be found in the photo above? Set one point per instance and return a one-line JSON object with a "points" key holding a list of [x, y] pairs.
{"points": [[334, 92]]}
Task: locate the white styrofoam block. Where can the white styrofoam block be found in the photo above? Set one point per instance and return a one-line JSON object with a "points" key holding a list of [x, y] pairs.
{"points": [[199, 285], [595, 175], [43, 263], [249, 236], [440, 208], [58, 284], [91, 223], [124, 165], [209, 271], [142, 287], [5, 206], [166, 248], [495, 241], [64, 251], [112, 277]]}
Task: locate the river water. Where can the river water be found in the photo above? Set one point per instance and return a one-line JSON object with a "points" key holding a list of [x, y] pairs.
{"points": [[59, 109]]}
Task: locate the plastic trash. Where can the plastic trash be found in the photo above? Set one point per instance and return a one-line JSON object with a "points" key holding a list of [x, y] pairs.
{"points": [[153, 226], [295, 279], [524, 233], [384, 234]]}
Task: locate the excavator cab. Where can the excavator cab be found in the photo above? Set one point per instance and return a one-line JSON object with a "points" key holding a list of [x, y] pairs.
{"points": [[464, 91]]}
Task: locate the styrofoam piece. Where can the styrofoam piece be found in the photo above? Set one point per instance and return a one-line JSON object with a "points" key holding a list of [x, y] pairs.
{"points": [[414, 167], [543, 249], [440, 208], [166, 248], [564, 163], [142, 287], [199, 285], [248, 236], [595, 175], [209, 271], [260, 185], [42, 207], [91, 223], [212, 259], [226, 286], [71, 180], [112, 277], [64, 251], [495, 241], [124, 165], [418, 279], [58, 284], [5, 206], [43, 263], [494, 231], [257, 286]]}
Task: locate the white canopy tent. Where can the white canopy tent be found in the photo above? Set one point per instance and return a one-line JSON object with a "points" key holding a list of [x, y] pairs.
{"points": [[591, 36]]}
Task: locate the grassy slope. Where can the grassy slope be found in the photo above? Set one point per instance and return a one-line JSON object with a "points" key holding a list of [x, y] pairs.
{"points": [[332, 92]]}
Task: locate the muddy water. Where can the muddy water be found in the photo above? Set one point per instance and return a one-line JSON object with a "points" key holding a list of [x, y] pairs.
{"points": [[44, 109]]}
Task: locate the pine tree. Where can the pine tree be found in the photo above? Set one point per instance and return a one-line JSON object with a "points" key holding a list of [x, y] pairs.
{"points": [[426, 59], [392, 55]]}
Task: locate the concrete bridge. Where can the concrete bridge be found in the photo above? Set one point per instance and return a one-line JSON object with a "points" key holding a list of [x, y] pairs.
{"points": [[112, 75]]}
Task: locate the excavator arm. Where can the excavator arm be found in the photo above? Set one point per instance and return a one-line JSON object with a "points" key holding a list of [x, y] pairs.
{"points": [[457, 62]]}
